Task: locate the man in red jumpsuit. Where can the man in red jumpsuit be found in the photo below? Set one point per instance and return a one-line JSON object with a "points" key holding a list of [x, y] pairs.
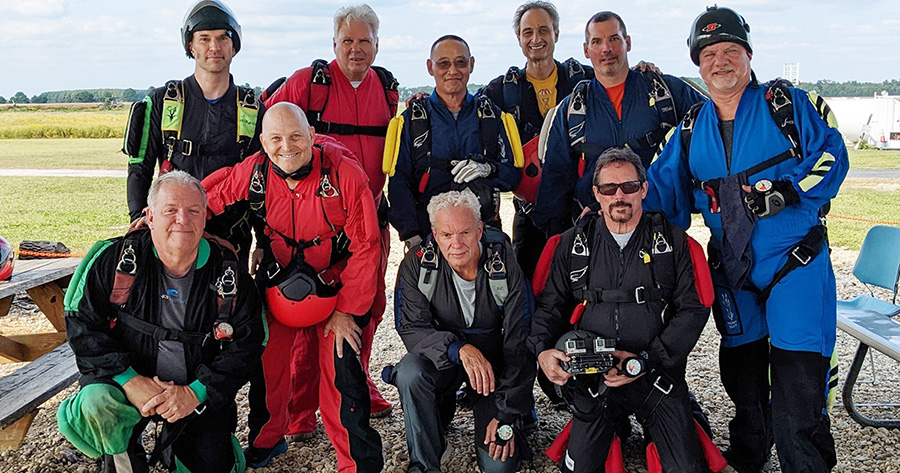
{"points": [[315, 219], [353, 102]]}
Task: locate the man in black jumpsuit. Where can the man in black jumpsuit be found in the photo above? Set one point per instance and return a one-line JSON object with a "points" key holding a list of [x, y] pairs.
{"points": [[458, 328], [638, 288], [174, 344], [200, 124]]}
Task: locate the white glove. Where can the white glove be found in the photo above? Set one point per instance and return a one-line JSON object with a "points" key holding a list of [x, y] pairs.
{"points": [[412, 241], [468, 170]]}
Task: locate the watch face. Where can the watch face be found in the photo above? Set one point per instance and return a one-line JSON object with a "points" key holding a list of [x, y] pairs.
{"points": [[505, 432], [763, 185], [634, 367]]}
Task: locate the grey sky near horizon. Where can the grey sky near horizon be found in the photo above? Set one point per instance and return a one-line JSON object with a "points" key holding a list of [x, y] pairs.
{"points": [[48, 45]]}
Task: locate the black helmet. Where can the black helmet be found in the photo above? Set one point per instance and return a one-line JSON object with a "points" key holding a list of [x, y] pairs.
{"points": [[716, 25], [210, 15]]}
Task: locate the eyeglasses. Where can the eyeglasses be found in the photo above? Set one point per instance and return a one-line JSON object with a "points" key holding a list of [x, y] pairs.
{"points": [[629, 187], [459, 63]]}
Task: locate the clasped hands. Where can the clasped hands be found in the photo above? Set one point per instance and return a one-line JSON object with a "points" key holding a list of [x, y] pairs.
{"points": [[152, 396]]}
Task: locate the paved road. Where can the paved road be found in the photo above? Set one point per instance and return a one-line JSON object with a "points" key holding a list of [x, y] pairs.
{"points": [[860, 173], [64, 172]]}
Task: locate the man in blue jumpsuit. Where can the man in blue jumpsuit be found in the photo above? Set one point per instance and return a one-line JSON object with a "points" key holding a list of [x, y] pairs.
{"points": [[621, 110], [449, 141], [764, 215]]}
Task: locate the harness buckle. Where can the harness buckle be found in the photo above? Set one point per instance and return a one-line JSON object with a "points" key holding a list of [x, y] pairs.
{"points": [[495, 267], [665, 391], [128, 263], [226, 286], [170, 144], [190, 147], [330, 282], [804, 258], [326, 189], [271, 274], [429, 256], [639, 295], [160, 333]]}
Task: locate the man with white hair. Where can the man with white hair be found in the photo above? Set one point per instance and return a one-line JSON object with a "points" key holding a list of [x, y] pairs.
{"points": [[165, 326], [463, 311], [351, 101]]}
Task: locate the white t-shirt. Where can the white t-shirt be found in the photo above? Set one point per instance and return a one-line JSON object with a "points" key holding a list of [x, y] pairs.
{"points": [[622, 238], [466, 292], [355, 83]]}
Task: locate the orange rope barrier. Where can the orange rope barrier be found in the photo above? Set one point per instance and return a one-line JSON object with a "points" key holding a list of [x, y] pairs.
{"points": [[859, 219]]}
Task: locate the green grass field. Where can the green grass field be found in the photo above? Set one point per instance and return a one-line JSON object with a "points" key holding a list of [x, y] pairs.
{"points": [[74, 210], [76, 153]]}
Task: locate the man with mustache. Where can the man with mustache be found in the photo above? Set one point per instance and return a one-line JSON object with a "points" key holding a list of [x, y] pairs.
{"points": [[761, 163], [619, 107], [625, 276], [200, 124]]}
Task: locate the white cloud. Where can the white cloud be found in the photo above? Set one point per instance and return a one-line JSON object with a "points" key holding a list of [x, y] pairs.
{"points": [[33, 8]]}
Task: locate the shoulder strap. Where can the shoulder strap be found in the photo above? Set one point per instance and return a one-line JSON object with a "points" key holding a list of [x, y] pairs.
{"points": [[488, 126], [687, 127], [495, 264], [512, 92], [781, 106], [576, 114], [391, 87], [329, 191], [319, 87], [574, 70], [428, 264], [256, 193], [420, 137], [247, 114], [172, 116], [661, 98]]}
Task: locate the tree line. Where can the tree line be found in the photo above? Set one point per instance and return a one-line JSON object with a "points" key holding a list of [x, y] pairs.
{"points": [[825, 88]]}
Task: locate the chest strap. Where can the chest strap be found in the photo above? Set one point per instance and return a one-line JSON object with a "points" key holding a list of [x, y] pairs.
{"points": [[163, 334]]}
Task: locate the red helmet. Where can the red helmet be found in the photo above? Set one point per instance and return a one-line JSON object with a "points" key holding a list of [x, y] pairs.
{"points": [[294, 301], [7, 259], [531, 173]]}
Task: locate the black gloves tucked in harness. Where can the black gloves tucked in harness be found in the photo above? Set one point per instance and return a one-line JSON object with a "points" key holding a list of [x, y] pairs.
{"points": [[767, 198]]}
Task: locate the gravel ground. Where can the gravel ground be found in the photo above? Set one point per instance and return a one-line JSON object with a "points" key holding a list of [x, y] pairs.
{"points": [[859, 449]]}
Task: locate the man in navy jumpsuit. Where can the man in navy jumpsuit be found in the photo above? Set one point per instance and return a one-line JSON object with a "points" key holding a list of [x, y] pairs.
{"points": [[620, 112]]}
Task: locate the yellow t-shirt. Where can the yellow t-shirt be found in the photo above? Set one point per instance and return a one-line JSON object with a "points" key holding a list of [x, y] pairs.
{"points": [[545, 90]]}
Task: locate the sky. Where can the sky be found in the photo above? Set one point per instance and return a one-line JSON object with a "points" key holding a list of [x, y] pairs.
{"points": [[48, 45]]}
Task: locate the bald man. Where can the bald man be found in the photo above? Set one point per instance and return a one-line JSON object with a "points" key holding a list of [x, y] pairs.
{"points": [[318, 241]]}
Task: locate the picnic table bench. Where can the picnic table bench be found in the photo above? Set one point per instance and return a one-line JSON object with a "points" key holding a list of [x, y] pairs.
{"points": [[52, 363]]}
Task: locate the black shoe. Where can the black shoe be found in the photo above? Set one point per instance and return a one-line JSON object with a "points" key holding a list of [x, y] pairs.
{"points": [[260, 457], [740, 464]]}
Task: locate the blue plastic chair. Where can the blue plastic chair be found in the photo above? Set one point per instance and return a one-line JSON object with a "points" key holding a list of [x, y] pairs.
{"points": [[868, 318]]}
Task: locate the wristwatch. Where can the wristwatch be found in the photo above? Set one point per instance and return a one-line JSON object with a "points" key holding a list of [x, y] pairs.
{"points": [[504, 433], [634, 366]]}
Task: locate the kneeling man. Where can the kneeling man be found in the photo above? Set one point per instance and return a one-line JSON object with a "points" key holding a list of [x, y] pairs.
{"points": [[463, 311], [165, 324], [625, 277]]}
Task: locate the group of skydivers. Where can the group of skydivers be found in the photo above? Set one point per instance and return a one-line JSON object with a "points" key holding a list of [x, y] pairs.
{"points": [[600, 288]]}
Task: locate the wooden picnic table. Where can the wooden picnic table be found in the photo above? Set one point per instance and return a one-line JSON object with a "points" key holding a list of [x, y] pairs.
{"points": [[53, 368], [43, 280]]}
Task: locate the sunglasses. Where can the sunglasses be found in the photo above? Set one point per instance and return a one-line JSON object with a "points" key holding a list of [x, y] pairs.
{"points": [[629, 187]]}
